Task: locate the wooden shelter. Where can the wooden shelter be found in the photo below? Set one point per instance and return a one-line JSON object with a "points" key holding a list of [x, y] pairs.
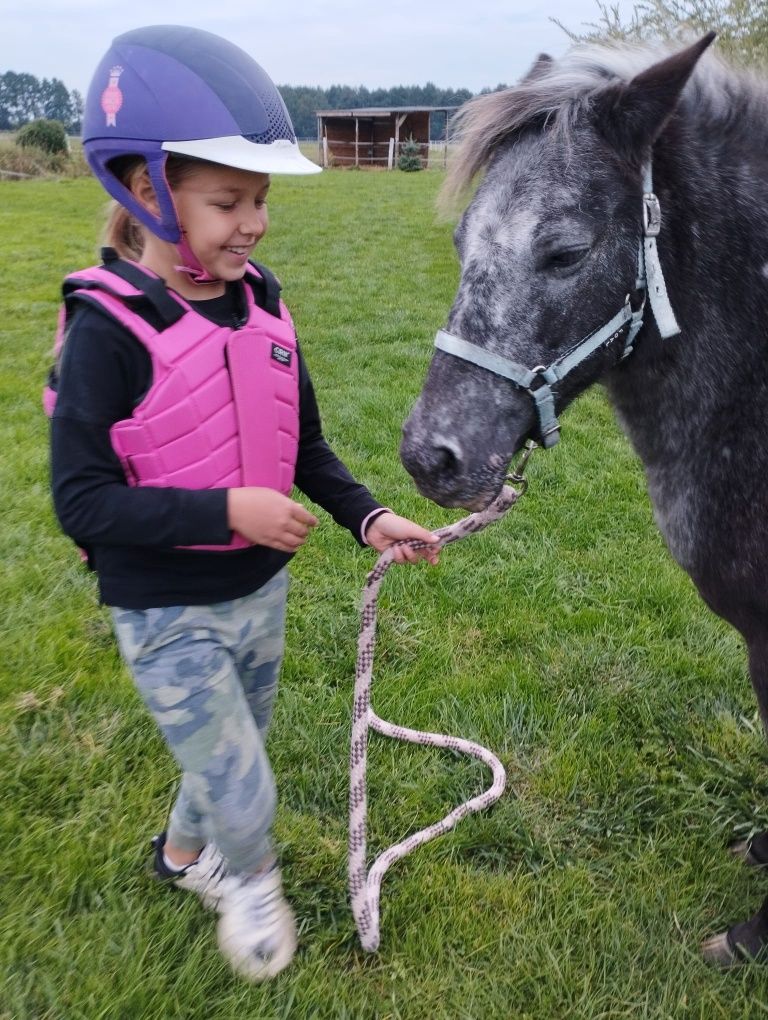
{"points": [[374, 136]]}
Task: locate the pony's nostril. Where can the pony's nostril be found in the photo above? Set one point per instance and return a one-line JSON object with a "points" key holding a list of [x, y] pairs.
{"points": [[437, 458], [446, 458], [445, 461]]}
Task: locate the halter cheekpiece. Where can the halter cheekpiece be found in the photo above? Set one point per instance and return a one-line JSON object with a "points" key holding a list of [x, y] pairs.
{"points": [[538, 382]]}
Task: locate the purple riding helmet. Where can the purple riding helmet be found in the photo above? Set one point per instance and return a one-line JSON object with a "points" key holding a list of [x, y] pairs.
{"points": [[167, 88]]}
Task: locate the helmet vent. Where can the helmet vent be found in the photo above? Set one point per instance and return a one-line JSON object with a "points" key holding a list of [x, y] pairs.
{"points": [[279, 125]]}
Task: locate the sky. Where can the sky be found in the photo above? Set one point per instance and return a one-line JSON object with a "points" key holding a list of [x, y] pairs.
{"points": [[452, 43]]}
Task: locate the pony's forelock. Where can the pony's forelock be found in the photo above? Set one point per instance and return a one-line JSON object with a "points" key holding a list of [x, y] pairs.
{"points": [[557, 96]]}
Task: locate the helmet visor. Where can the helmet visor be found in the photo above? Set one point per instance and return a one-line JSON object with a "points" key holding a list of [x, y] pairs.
{"points": [[278, 157]]}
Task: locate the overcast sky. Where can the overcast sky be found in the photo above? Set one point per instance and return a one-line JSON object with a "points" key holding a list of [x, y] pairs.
{"points": [[453, 43]]}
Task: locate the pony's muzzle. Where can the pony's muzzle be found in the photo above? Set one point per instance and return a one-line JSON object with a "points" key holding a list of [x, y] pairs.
{"points": [[439, 468]]}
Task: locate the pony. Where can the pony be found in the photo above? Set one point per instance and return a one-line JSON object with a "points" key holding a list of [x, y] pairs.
{"points": [[619, 233]]}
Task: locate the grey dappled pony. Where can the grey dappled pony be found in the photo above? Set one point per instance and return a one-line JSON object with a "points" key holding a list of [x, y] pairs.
{"points": [[560, 248]]}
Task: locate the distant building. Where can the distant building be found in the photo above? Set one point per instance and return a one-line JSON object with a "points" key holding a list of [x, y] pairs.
{"points": [[374, 136]]}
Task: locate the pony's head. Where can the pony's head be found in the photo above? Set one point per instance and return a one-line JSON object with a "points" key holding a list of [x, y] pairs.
{"points": [[548, 248]]}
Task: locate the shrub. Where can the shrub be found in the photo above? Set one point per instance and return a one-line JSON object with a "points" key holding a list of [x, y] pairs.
{"points": [[48, 135], [410, 155]]}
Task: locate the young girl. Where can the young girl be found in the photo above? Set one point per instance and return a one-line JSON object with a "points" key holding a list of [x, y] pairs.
{"points": [[183, 415]]}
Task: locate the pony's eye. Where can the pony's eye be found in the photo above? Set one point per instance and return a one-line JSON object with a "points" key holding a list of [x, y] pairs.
{"points": [[565, 259]]}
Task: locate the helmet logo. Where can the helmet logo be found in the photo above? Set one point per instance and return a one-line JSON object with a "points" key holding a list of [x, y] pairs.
{"points": [[112, 97]]}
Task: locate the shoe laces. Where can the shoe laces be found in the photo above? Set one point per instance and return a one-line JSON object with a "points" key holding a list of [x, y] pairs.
{"points": [[211, 865]]}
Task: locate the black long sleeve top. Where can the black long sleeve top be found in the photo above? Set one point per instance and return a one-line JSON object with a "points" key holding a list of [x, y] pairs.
{"points": [[132, 534]]}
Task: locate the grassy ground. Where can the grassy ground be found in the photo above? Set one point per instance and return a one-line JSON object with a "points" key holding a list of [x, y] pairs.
{"points": [[564, 638]]}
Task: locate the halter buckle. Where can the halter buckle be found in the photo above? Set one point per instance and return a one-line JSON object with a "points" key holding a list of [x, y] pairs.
{"points": [[651, 215]]}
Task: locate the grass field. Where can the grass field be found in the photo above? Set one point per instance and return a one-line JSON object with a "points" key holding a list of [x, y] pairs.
{"points": [[564, 639]]}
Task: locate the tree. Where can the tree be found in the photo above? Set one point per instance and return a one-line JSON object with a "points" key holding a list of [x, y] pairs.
{"points": [[19, 98], [56, 101], [410, 156], [741, 25], [78, 105]]}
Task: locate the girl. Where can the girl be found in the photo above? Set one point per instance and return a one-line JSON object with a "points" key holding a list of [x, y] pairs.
{"points": [[183, 415]]}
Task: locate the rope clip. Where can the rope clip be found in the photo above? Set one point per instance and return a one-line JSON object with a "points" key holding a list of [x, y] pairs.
{"points": [[517, 479]]}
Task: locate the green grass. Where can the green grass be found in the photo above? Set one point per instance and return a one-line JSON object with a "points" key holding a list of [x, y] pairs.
{"points": [[563, 638]]}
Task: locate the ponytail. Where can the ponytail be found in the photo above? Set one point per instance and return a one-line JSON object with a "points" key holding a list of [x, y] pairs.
{"points": [[123, 233]]}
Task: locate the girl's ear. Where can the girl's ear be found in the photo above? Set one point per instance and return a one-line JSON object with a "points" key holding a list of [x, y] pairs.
{"points": [[144, 192], [632, 115]]}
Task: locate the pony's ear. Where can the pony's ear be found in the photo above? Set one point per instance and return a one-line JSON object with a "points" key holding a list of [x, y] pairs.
{"points": [[540, 66], [632, 115]]}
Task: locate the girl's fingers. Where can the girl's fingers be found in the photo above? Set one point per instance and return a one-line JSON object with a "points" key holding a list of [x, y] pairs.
{"points": [[406, 554], [302, 515]]}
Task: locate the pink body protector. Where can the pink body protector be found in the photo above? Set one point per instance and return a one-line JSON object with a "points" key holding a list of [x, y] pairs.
{"points": [[365, 886], [222, 409]]}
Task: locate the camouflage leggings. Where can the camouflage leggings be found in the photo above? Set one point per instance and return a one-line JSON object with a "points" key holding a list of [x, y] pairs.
{"points": [[208, 675]]}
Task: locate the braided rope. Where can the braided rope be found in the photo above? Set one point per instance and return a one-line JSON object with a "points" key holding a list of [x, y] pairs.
{"points": [[364, 887]]}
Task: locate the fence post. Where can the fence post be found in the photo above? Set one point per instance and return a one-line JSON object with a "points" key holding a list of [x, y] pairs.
{"points": [[391, 156]]}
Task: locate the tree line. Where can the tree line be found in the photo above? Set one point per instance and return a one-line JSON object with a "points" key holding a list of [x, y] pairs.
{"points": [[303, 101], [24, 98]]}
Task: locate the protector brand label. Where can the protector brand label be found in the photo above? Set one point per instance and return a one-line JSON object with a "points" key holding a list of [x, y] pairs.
{"points": [[281, 354]]}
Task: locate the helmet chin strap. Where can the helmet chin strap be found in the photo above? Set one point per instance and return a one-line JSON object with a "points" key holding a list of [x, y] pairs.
{"points": [[191, 265]]}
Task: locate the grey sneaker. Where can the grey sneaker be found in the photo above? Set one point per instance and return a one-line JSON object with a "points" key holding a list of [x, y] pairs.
{"points": [[206, 877], [257, 930]]}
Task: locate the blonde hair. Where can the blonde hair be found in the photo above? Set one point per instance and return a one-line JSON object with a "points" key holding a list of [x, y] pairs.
{"points": [[124, 232]]}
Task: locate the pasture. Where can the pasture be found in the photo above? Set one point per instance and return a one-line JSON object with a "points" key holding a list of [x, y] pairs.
{"points": [[564, 639]]}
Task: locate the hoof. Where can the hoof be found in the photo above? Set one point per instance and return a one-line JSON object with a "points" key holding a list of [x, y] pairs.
{"points": [[752, 851], [745, 942], [717, 952]]}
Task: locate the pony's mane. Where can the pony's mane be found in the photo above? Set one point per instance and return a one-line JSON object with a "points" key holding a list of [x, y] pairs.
{"points": [[558, 92]]}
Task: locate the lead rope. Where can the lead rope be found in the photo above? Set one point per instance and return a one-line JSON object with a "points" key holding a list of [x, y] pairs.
{"points": [[365, 886]]}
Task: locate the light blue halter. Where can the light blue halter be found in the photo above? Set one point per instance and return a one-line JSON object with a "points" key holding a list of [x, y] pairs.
{"points": [[538, 381]]}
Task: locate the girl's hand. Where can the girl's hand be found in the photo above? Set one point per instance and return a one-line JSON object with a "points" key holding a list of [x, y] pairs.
{"points": [[389, 528], [267, 517]]}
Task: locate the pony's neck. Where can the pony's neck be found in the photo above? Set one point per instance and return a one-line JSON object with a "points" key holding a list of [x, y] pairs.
{"points": [[712, 169], [711, 175]]}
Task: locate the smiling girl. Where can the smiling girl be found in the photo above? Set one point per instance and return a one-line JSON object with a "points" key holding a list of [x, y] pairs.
{"points": [[182, 416]]}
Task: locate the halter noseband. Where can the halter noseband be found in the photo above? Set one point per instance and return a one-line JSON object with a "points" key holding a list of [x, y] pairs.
{"points": [[538, 381]]}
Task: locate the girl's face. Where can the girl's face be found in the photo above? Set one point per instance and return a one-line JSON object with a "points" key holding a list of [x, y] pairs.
{"points": [[223, 213]]}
